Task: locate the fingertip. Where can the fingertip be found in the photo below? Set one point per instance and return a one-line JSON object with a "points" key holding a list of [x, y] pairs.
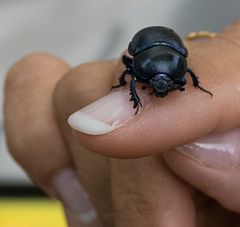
{"points": [[178, 118], [159, 125], [82, 85], [219, 183], [35, 60]]}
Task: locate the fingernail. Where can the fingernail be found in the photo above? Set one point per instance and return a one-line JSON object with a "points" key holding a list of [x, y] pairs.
{"points": [[106, 114], [220, 151], [75, 221], [74, 197]]}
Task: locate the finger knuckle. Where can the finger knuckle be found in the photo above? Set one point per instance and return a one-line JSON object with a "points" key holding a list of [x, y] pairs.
{"points": [[27, 68]]}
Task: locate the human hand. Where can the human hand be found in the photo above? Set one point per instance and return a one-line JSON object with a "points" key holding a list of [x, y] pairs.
{"points": [[42, 147], [145, 192], [209, 165]]}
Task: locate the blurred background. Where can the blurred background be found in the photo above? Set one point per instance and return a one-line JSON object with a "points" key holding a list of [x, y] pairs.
{"points": [[81, 31]]}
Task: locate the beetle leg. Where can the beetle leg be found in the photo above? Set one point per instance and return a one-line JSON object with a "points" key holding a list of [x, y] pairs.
{"points": [[122, 79], [196, 81], [127, 61], [134, 96]]}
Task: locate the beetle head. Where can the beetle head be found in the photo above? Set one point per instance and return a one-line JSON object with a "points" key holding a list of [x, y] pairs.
{"points": [[161, 84]]}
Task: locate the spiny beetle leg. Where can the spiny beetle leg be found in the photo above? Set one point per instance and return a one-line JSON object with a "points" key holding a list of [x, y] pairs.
{"points": [[127, 61], [196, 82], [134, 96], [122, 79]]}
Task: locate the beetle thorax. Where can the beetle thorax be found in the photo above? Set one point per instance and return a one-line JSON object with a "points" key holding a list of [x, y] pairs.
{"points": [[159, 60]]}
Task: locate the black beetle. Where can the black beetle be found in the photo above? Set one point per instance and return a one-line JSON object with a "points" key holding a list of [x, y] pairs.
{"points": [[159, 60]]}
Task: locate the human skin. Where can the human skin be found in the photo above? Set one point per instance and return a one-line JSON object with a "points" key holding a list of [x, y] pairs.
{"points": [[142, 180]]}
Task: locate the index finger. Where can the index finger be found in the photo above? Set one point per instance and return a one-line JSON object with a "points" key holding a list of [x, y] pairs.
{"points": [[109, 126]]}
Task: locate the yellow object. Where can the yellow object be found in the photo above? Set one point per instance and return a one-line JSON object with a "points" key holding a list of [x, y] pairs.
{"points": [[200, 35], [31, 213]]}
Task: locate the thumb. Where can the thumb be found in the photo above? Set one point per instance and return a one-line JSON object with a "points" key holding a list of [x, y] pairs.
{"points": [[110, 127]]}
